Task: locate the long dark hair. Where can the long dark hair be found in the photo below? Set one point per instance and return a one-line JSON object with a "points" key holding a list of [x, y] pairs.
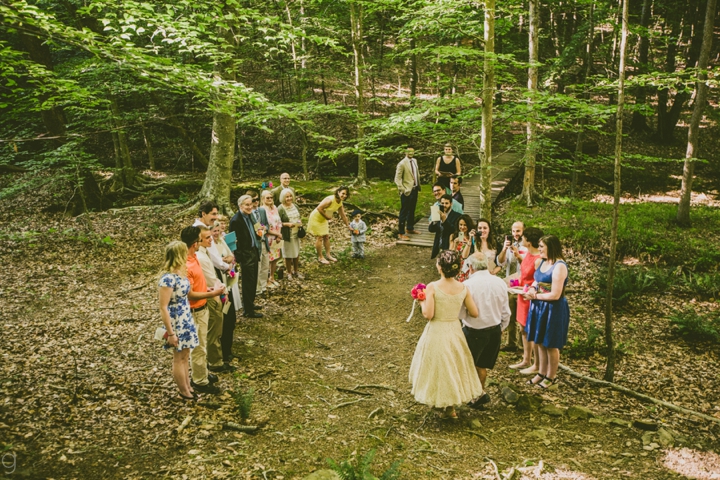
{"points": [[340, 189], [553, 248], [468, 222], [490, 237]]}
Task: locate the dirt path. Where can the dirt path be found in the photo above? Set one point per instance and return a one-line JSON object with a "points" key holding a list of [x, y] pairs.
{"points": [[88, 394]]}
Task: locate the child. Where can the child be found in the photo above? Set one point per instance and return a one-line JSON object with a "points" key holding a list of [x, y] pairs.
{"points": [[358, 233]]}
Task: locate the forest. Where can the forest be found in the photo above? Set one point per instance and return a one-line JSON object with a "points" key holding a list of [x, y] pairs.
{"points": [[120, 118]]}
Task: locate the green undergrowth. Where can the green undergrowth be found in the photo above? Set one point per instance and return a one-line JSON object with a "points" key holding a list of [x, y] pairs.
{"points": [[696, 327], [646, 231], [377, 196]]}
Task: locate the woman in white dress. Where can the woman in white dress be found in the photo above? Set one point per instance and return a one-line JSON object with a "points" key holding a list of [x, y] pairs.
{"points": [[442, 372]]}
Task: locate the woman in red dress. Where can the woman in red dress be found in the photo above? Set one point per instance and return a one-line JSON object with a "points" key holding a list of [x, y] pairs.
{"points": [[530, 240]]}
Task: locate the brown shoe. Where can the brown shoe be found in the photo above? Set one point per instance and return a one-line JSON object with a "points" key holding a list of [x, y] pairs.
{"points": [[404, 238], [413, 232]]}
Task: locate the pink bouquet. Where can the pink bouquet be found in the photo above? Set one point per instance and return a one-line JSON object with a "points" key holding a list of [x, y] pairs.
{"points": [[418, 295], [418, 291]]}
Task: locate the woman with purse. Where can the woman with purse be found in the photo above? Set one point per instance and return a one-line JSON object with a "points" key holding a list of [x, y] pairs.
{"points": [[275, 240], [176, 315], [291, 226]]}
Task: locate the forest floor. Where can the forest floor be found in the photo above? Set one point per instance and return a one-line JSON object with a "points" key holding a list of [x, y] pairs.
{"points": [[85, 391]]}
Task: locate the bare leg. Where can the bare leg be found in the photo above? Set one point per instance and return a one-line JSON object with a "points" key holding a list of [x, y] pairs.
{"points": [[326, 241], [181, 371], [296, 264], [318, 248], [482, 375], [553, 356], [288, 266], [273, 266]]}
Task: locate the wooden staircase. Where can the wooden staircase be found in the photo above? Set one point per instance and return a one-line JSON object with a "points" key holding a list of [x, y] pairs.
{"points": [[504, 169]]}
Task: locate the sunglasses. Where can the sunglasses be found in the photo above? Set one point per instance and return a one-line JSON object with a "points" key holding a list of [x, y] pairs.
{"points": [[256, 199]]}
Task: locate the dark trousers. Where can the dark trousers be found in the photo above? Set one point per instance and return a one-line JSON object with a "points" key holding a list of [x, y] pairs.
{"points": [[407, 211], [228, 330], [249, 271], [513, 334]]}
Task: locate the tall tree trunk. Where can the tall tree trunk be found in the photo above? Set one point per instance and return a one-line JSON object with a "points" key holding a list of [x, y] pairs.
{"points": [[413, 70], [222, 146], [639, 123], [356, 13], [609, 341], [239, 152], [305, 145], [701, 90], [126, 171], [184, 135], [148, 146], [487, 108], [531, 148], [581, 124]]}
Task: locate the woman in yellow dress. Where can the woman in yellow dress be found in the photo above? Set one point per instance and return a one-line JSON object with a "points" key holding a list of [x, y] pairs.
{"points": [[318, 222]]}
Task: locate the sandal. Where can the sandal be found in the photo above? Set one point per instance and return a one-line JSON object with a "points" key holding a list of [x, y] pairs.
{"points": [[331, 258], [193, 398], [547, 382], [323, 261], [447, 415], [542, 379]]}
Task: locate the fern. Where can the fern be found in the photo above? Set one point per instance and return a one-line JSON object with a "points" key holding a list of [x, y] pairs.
{"points": [[346, 470], [243, 403]]}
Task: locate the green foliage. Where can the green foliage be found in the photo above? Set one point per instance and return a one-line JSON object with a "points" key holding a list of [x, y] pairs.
{"points": [[360, 470], [645, 230], [705, 284], [588, 343], [696, 327], [629, 282], [243, 402]]}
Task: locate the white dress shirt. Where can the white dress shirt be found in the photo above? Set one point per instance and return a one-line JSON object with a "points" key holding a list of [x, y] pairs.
{"points": [[212, 251], [490, 295]]}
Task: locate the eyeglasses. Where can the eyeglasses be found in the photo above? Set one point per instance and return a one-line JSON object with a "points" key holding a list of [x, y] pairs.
{"points": [[256, 199]]}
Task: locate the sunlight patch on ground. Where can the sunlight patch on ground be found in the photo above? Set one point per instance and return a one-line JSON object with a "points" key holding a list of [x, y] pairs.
{"points": [[533, 472], [708, 199], [693, 463], [154, 174]]}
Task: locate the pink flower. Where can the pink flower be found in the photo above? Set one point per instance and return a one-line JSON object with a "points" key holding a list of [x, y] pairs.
{"points": [[418, 291]]}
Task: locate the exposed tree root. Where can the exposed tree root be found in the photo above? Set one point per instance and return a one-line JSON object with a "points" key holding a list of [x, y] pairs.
{"points": [[639, 395]]}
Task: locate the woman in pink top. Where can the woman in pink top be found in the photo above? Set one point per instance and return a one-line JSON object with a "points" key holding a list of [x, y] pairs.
{"points": [[530, 240]]}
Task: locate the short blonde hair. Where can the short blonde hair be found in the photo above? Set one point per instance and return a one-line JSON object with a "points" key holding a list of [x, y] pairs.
{"points": [[176, 253], [265, 193]]}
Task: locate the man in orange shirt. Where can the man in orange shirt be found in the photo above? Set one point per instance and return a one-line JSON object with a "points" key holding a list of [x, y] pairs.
{"points": [[198, 295]]}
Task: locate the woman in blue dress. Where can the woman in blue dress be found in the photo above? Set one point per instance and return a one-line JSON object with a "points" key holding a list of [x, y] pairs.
{"points": [[176, 315], [549, 315]]}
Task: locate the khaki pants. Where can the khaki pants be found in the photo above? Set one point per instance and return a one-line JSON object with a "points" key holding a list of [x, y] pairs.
{"points": [[214, 331], [263, 270], [198, 357]]}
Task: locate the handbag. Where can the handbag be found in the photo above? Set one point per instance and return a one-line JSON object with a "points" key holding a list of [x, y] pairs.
{"points": [[301, 232]]}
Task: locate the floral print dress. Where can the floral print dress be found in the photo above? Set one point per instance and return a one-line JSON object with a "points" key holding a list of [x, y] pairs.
{"points": [[275, 225], [179, 308], [460, 245]]}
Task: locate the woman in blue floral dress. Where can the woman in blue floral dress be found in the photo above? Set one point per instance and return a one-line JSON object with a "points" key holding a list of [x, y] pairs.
{"points": [[176, 315]]}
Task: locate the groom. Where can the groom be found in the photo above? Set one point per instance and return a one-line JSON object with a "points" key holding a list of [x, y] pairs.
{"points": [[407, 179]]}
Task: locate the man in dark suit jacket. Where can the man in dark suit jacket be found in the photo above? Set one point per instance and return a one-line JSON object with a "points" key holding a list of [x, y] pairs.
{"points": [[247, 254], [445, 227]]}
